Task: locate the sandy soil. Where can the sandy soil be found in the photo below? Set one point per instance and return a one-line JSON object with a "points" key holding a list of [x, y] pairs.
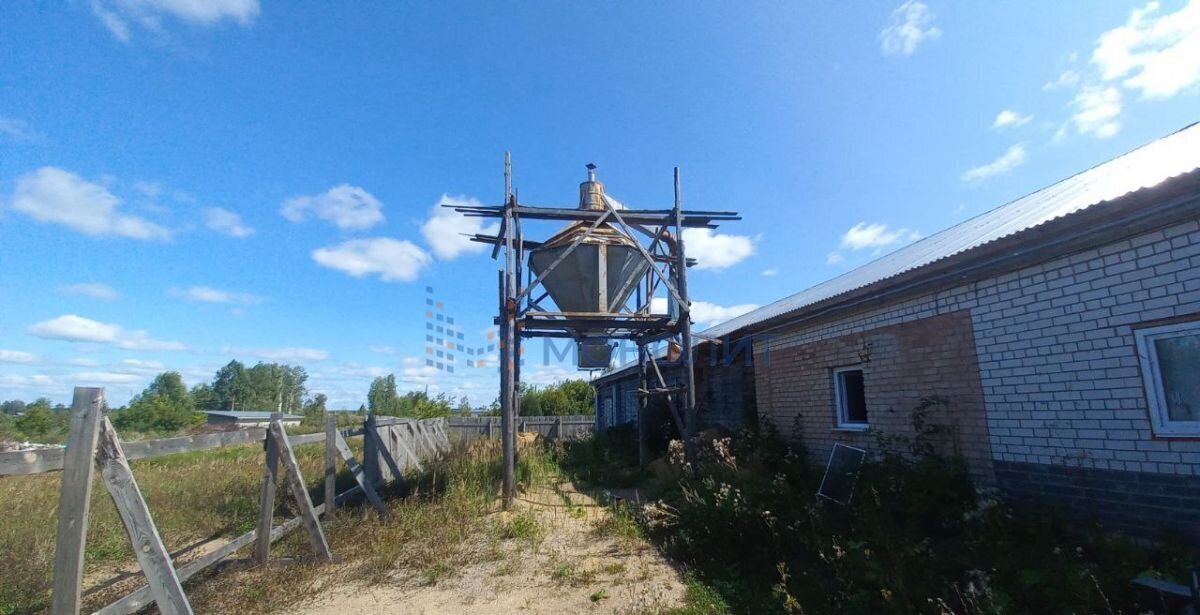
{"points": [[572, 570]]}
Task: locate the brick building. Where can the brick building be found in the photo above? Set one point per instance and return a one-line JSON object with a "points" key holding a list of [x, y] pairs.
{"points": [[1059, 335]]}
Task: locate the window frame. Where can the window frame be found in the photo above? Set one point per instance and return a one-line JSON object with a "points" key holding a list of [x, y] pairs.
{"points": [[1152, 381], [841, 411]]}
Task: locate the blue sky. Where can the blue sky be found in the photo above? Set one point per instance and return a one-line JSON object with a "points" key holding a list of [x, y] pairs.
{"points": [[183, 183]]}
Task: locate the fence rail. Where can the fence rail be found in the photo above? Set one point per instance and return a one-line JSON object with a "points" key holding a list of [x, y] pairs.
{"points": [[549, 427], [391, 447]]}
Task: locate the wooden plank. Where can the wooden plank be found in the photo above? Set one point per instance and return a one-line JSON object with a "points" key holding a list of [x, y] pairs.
{"points": [[295, 479], [370, 462], [50, 459], [387, 458], [148, 547], [266, 511], [141, 597], [330, 465], [74, 499], [408, 451], [359, 476]]}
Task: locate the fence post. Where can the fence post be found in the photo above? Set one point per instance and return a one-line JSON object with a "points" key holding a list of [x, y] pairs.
{"points": [[489, 428], [330, 464], [87, 408], [370, 454], [266, 514], [558, 428]]}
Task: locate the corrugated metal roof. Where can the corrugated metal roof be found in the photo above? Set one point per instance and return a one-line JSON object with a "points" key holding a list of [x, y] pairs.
{"points": [[250, 415], [1144, 167]]}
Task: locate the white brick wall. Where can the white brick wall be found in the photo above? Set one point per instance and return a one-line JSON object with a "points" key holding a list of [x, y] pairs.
{"points": [[1057, 357]]}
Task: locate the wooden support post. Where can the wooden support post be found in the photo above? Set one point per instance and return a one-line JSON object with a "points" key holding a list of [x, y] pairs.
{"points": [[308, 516], [558, 428], [74, 498], [488, 428], [387, 458], [266, 513], [331, 432], [359, 476], [643, 404], [370, 453], [148, 546]]}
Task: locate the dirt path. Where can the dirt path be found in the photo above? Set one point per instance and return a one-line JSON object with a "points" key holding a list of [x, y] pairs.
{"points": [[583, 563]]}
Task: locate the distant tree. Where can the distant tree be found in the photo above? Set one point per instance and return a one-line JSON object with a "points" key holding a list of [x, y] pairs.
{"points": [[314, 410], [38, 421], [382, 397], [464, 407], [229, 386], [13, 407], [205, 398], [580, 394], [165, 405]]}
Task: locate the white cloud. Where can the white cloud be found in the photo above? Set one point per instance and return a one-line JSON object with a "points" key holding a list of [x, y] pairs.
{"points": [[392, 259], [446, 231], [73, 328], [118, 16], [86, 378], [873, 236], [864, 236], [705, 313], [143, 366], [208, 294], [714, 250], [95, 290], [83, 362], [290, 355], [56, 196], [770, 272], [348, 207], [1010, 119], [17, 356], [389, 350], [227, 223], [1009, 160], [15, 129], [909, 26], [1155, 54], [1068, 78], [1096, 111]]}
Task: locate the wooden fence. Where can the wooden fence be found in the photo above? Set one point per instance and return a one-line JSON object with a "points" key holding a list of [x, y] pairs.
{"points": [[549, 427], [391, 447]]}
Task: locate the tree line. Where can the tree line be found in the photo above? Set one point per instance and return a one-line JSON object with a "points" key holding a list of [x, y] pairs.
{"points": [[168, 405]]}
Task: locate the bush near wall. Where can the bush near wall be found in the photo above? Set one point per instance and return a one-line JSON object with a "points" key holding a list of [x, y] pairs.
{"points": [[917, 537]]}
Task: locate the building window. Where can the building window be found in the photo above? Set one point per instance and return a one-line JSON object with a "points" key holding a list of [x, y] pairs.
{"points": [[1170, 357], [606, 411], [850, 397]]}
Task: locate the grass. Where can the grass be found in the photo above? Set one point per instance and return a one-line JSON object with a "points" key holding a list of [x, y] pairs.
{"points": [[192, 497]]}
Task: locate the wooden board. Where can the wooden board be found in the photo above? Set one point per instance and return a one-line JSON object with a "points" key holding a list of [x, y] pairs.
{"points": [[360, 477], [74, 499], [148, 547], [387, 458], [330, 465], [266, 511], [295, 481], [50, 459]]}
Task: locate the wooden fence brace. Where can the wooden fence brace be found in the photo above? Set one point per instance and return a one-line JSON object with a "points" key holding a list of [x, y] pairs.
{"points": [[266, 513], [387, 458], [368, 488], [148, 547], [331, 431], [316, 537], [87, 408], [370, 460]]}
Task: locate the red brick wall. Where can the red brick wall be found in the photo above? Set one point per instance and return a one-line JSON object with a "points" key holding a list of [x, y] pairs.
{"points": [[901, 364]]}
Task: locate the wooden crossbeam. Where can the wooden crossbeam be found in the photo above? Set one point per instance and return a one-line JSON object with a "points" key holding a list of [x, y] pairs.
{"points": [[356, 469], [308, 516], [148, 546]]}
